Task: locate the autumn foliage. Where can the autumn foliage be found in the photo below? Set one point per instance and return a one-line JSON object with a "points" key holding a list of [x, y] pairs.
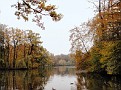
{"points": [[21, 49], [105, 31], [38, 9]]}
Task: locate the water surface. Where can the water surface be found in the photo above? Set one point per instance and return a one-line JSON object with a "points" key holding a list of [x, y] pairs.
{"points": [[57, 78], [64, 78]]}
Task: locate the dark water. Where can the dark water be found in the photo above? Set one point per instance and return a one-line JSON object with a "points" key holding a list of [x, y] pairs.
{"points": [[58, 78]]}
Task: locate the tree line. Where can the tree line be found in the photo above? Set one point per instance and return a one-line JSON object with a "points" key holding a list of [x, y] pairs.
{"points": [[62, 60], [96, 44], [21, 49]]}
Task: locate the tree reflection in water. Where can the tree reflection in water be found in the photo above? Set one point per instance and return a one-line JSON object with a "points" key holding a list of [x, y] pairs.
{"points": [[31, 79], [46, 79], [24, 80], [98, 82], [64, 70]]}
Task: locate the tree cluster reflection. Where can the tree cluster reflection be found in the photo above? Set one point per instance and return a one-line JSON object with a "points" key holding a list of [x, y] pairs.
{"points": [[24, 80], [38, 79], [98, 82]]}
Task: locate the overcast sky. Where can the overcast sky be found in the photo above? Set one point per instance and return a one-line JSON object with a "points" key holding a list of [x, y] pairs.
{"points": [[56, 36]]}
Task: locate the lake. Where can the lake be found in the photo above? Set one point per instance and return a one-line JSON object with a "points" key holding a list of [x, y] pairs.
{"points": [[57, 78]]}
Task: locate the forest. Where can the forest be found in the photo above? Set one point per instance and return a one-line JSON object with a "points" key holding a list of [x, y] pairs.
{"points": [[96, 44], [21, 49]]}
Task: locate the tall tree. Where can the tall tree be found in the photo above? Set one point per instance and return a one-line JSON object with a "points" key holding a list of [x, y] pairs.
{"points": [[107, 38], [79, 38], [2, 28]]}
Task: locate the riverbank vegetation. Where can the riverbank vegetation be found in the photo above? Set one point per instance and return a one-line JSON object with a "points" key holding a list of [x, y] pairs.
{"points": [[99, 49], [21, 49]]}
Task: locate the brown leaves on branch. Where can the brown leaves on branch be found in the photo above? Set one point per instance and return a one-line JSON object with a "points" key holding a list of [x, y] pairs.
{"points": [[38, 9]]}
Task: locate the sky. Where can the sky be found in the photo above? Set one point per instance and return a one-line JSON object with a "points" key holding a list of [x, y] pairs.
{"points": [[55, 37]]}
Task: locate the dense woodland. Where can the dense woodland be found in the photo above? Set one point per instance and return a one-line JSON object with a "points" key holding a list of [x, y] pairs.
{"points": [[103, 55], [21, 49]]}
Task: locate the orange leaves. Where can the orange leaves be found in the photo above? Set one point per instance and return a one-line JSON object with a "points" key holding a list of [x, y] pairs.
{"points": [[41, 5], [25, 18], [50, 7], [37, 8]]}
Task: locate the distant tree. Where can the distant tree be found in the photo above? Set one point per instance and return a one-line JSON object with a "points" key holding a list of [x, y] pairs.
{"points": [[62, 59]]}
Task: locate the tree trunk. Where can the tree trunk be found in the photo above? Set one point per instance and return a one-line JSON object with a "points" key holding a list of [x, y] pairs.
{"points": [[7, 56], [14, 56]]}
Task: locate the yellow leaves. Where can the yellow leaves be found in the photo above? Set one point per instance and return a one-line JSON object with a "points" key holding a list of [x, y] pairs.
{"points": [[107, 50], [50, 7], [41, 5], [25, 17], [53, 14], [46, 8], [78, 56], [35, 7]]}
